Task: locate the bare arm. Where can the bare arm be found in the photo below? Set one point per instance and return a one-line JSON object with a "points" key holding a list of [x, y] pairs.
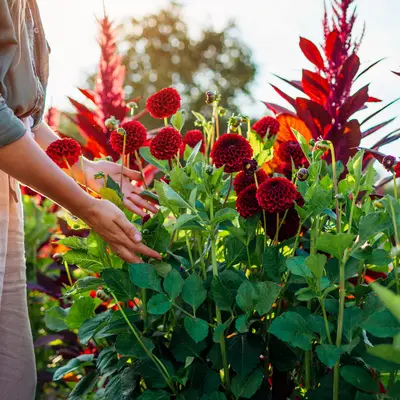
{"points": [[25, 161], [132, 200]]}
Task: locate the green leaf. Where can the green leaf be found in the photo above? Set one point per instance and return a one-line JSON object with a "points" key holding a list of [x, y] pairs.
{"points": [[266, 294], [157, 239], [112, 196], [193, 292], [197, 328], [74, 243], [329, 354], [241, 324], [117, 280], [84, 285], [222, 296], [391, 301], [186, 219], [127, 345], [359, 378], [173, 284], [160, 164], [382, 324], [159, 304], [183, 346], [73, 365], [246, 387], [292, 328], [225, 214], [302, 142], [81, 310], [89, 328], [273, 263], [54, 318], [194, 152], [162, 268], [244, 353], [145, 276], [246, 295], [374, 223], [168, 196], [178, 120], [84, 386], [394, 391], [334, 244], [122, 386], [351, 320], [297, 266], [386, 351], [154, 395], [317, 324], [84, 260], [235, 251], [316, 264]]}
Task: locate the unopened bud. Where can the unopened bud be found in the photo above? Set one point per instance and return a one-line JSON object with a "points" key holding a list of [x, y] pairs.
{"points": [[322, 145], [311, 142], [250, 167], [211, 96], [132, 105], [378, 204], [302, 174], [389, 162], [121, 131], [101, 294], [111, 123]]}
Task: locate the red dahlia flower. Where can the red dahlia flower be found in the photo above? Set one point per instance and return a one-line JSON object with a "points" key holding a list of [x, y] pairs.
{"points": [[288, 227], [191, 139], [291, 150], [135, 137], [164, 103], [246, 203], [242, 180], [276, 194], [166, 144], [64, 152], [231, 150], [266, 125], [397, 170]]}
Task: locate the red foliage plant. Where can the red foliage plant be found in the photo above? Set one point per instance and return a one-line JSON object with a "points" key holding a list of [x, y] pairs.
{"points": [[330, 105]]}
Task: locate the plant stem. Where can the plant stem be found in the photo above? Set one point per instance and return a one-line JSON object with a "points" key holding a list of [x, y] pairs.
{"points": [[395, 186], [336, 375], [144, 306], [264, 214], [165, 121], [122, 162], [189, 251], [217, 309], [139, 163], [183, 311], [335, 185], [203, 265], [307, 368], [396, 233], [84, 176], [68, 273], [296, 240], [70, 169], [328, 333], [160, 366], [215, 111], [229, 190], [353, 205]]}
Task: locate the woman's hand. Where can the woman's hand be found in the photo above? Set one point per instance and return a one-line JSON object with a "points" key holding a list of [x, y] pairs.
{"points": [[112, 225], [132, 199]]}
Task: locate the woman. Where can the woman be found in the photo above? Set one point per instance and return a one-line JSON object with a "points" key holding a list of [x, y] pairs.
{"points": [[23, 79]]}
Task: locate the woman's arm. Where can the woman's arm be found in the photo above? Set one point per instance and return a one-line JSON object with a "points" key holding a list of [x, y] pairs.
{"points": [[44, 136], [25, 161]]}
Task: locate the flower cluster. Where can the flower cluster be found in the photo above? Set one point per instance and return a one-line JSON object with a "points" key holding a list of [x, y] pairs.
{"points": [[64, 152]]}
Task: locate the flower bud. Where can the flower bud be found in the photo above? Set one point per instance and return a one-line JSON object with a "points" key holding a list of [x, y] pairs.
{"points": [[121, 131], [378, 204], [221, 111], [211, 96], [111, 123], [132, 105], [322, 145], [302, 174], [389, 162], [99, 175], [311, 142], [250, 167], [101, 294], [145, 219]]}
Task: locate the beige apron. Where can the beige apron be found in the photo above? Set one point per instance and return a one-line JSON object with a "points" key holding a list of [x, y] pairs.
{"points": [[17, 360]]}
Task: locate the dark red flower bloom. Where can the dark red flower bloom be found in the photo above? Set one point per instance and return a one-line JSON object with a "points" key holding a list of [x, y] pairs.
{"points": [[276, 194], [242, 180], [135, 137], [145, 218], [288, 226], [286, 170], [164, 103], [397, 170], [246, 203], [231, 150], [166, 144], [266, 125], [64, 151], [191, 139], [291, 150], [299, 199]]}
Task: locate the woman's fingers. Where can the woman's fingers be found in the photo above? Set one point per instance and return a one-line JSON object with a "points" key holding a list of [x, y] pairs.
{"points": [[128, 228], [137, 200], [132, 175], [132, 207], [127, 255]]}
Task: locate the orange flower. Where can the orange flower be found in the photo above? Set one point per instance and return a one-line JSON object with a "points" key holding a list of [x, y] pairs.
{"points": [[287, 123]]}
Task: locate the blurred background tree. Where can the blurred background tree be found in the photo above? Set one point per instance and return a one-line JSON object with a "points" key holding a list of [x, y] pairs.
{"points": [[158, 51]]}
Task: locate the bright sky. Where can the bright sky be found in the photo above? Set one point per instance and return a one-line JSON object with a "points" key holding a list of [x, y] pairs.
{"points": [[270, 27]]}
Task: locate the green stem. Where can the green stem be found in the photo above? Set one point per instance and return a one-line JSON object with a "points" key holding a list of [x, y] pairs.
{"points": [[396, 233], [217, 309], [335, 185], [199, 249], [68, 273], [183, 311], [144, 307], [160, 366], [229, 190], [395, 186], [353, 205], [328, 333], [336, 375], [189, 251], [139, 163], [296, 240], [165, 121]]}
